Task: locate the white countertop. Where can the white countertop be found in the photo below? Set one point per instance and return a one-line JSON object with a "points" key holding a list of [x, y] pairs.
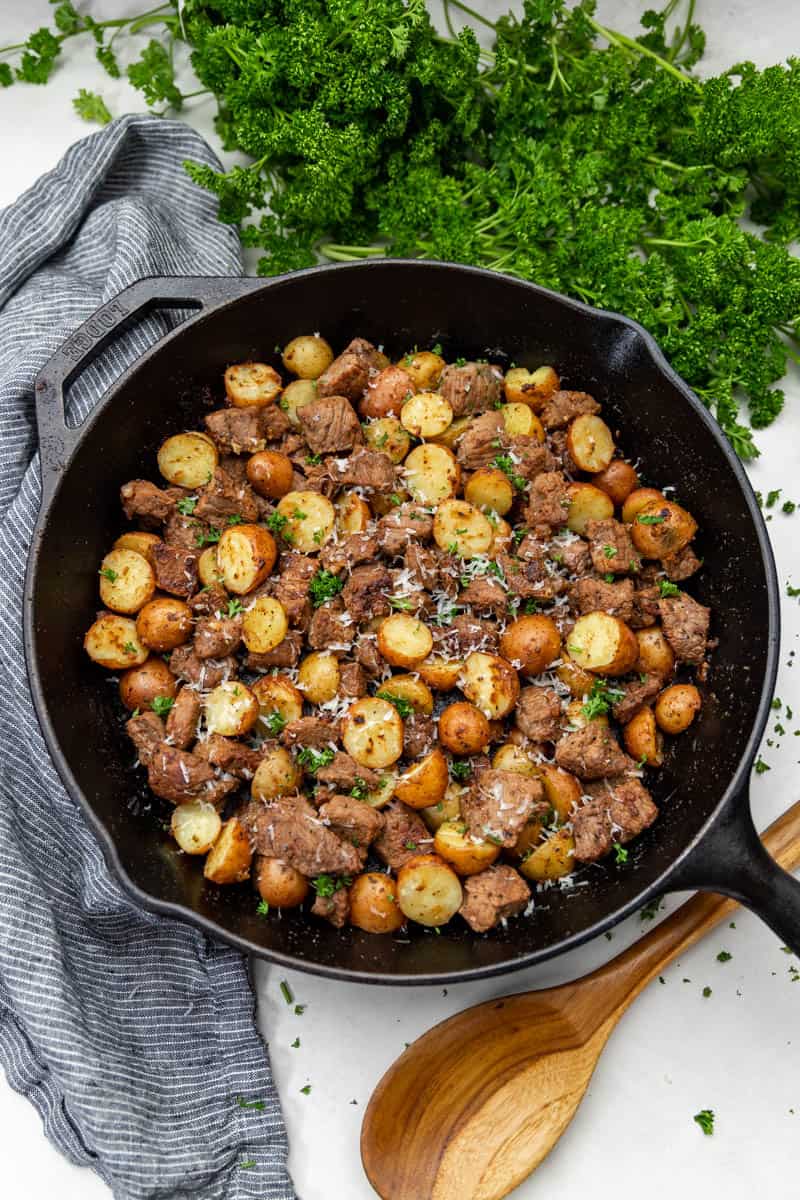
{"points": [[737, 1052]]}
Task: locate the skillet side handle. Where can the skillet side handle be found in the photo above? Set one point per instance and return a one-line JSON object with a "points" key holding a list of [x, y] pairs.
{"points": [[56, 439], [731, 859]]}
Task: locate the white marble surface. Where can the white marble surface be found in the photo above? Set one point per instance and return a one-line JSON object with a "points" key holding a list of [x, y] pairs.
{"points": [[737, 1052]]}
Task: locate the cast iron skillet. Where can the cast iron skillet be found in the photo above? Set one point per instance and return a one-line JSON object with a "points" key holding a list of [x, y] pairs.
{"points": [[705, 836]]}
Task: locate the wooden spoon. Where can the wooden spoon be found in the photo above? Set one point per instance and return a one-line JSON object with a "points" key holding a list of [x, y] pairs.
{"points": [[474, 1105]]}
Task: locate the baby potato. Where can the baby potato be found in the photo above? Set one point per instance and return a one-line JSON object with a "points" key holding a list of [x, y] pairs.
{"points": [[602, 643], [662, 528], [245, 555], [208, 571], [270, 473], [428, 890], [528, 840], [520, 420], [643, 740], [127, 581], [462, 529], [143, 543], [372, 733], [425, 369], [112, 641], [442, 674], [562, 791], [276, 775], [452, 433], [277, 694], [411, 689], [387, 435], [231, 709], [164, 623], [353, 514], [522, 386], [590, 443], [553, 859], [432, 473], [576, 678], [587, 503], [386, 394], [139, 686], [280, 885], [466, 854], [373, 903], [307, 356], [188, 459], [513, 758], [297, 395], [318, 677], [677, 706], [252, 384], [491, 683], [533, 642], [463, 728], [619, 479], [578, 719], [655, 653], [264, 625], [490, 488], [636, 500], [426, 415], [311, 518], [448, 808], [425, 782], [231, 855], [403, 640], [195, 826], [501, 538]]}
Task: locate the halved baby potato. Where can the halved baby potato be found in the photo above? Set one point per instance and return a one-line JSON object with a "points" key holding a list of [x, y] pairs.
{"points": [[432, 473], [428, 890], [413, 690], [661, 528], [353, 514], [388, 435], [461, 528], [426, 415], [578, 680], [112, 641], [643, 739], [231, 855], [533, 642], [442, 674], [464, 729], [561, 790], [307, 356], [491, 683], [619, 479], [208, 571], [310, 520], [277, 694], [509, 757], [372, 733], [466, 854], [448, 808], [252, 384], [373, 903], [520, 420], [264, 625], [280, 885], [195, 826], [587, 503], [404, 640], [270, 473], [656, 656], [522, 386], [140, 541], [424, 367], [164, 623], [553, 859], [318, 677], [276, 775], [231, 709], [490, 488], [604, 644], [188, 459], [577, 718], [297, 395], [245, 555], [453, 432], [425, 782], [127, 581], [636, 501], [677, 707], [590, 443], [139, 686]]}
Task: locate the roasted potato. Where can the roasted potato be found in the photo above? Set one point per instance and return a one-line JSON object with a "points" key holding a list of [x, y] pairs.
{"points": [[426, 415], [387, 393], [143, 543], [577, 718], [522, 386], [462, 529], [432, 473], [425, 369], [587, 503], [231, 709], [404, 640], [490, 488], [528, 840], [297, 395], [112, 641], [501, 538], [373, 903], [448, 808], [127, 581], [677, 706], [520, 420], [353, 514], [387, 435], [245, 555], [428, 890], [318, 677], [562, 791], [553, 859], [531, 643], [270, 473], [264, 625], [655, 653], [231, 855], [590, 443], [509, 757], [491, 684], [425, 782], [252, 385], [276, 775], [277, 694], [280, 885], [188, 459], [453, 432], [164, 623], [139, 686], [467, 855], [661, 528], [578, 680], [208, 571], [636, 500], [307, 356], [412, 689], [372, 733], [310, 520], [604, 644], [195, 826], [464, 729], [619, 479], [442, 674], [643, 740]]}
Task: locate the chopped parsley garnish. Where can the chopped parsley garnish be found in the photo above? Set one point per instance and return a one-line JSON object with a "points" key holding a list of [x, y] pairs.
{"points": [[395, 499], [359, 790], [610, 552], [403, 706], [460, 769], [276, 521], [319, 534], [621, 854], [792, 591], [650, 518], [452, 548], [328, 885], [788, 507], [705, 1119], [161, 705], [608, 577], [235, 519], [460, 362], [129, 648], [108, 574], [187, 505], [410, 845], [400, 602], [312, 759], [313, 460], [275, 722], [208, 536], [306, 1091], [724, 956], [324, 586], [505, 463], [706, 992], [437, 349], [234, 608], [601, 699], [517, 535], [286, 992], [296, 1044], [650, 910], [380, 441], [299, 515], [667, 588], [530, 607], [257, 1104], [262, 908], [773, 497], [761, 766], [299, 1009]]}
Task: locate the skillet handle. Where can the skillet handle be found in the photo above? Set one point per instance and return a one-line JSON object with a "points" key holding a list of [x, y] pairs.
{"points": [[731, 859], [56, 439]]}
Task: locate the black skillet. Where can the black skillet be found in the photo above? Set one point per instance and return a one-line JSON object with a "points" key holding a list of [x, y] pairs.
{"points": [[704, 838]]}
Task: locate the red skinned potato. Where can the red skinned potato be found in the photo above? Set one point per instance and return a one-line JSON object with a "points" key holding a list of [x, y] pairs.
{"points": [[139, 686], [386, 394]]}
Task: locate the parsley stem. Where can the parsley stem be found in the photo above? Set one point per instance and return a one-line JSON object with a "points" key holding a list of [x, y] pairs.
{"points": [[338, 253], [623, 42], [133, 24], [476, 16]]}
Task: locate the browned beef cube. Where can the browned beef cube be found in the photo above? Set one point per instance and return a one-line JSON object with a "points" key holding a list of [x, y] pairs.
{"points": [[611, 547], [548, 502], [365, 593], [216, 637], [529, 578], [592, 753], [482, 441], [330, 628], [492, 896], [563, 407], [681, 565], [368, 655], [352, 680], [349, 374], [175, 569], [183, 718], [344, 773], [530, 457], [230, 756], [406, 524], [419, 732], [330, 425], [403, 836], [202, 673], [369, 469], [320, 477], [353, 549], [315, 732], [225, 496], [285, 654], [619, 811], [637, 695], [146, 731], [644, 610], [353, 821], [209, 600], [334, 908], [150, 504], [594, 595], [246, 430], [291, 588], [685, 626], [185, 532], [423, 565], [289, 828], [485, 594], [180, 777], [574, 556], [538, 714], [471, 388], [465, 634], [499, 803]]}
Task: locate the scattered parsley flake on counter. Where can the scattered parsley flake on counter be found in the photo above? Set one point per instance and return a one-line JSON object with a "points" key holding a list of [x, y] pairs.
{"points": [[295, 1044], [661, 979], [306, 1091], [724, 956], [792, 591], [260, 1105], [705, 1119], [161, 705], [706, 992], [286, 992], [650, 910], [788, 507], [91, 107], [760, 766], [247, 1165], [772, 497], [299, 1009]]}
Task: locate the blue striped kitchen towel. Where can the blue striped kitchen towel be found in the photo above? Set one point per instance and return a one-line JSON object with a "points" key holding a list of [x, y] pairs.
{"points": [[133, 1035]]}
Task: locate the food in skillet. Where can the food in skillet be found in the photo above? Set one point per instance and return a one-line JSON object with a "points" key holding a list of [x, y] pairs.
{"points": [[403, 639]]}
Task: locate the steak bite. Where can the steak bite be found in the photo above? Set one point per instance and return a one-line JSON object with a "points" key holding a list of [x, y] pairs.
{"points": [[594, 595], [225, 496], [574, 556], [314, 732], [487, 595], [368, 655], [216, 637], [186, 532], [645, 607], [246, 430], [619, 810], [352, 680], [183, 717], [291, 588], [530, 457], [364, 593], [289, 828], [230, 756], [563, 407], [538, 714], [209, 600], [334, 908], [493, 895], [592, 753], [419, 733], [369, 469], [406, 524], [353, 549], [482, 440], [149, 504], [349, 374], [353, 821], [465, 634], [530, 578], [180, 777], [330, 424], [146, 731], [403, 836], [637, 695], [285, 654], [344, 773], [499, 804], [175, 569], [611, 548], [202, 673], [548, 503], [423, 565], [681, 565], [685, 626], [471, 388], [331, 627]]}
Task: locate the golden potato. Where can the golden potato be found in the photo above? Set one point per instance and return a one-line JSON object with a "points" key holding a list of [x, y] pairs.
{"points": [[442, 674], [353, 514], [412, 689], [297, 395], [140, 686], [425, 782], [577, 718], [188, 459], [164, 623], [231, 855], [453, 432], [490, 488], [432, 473], [252, 384], [590, 443], [208, 571], [310, 520], [509, 757], [467, 855], [661, 528], [491, 683], [318, 677], [307, 356], [501, 538], [386, 394], [587, 503], [576, 678], [270, 473], [404, 640], [425, 369], [245, 555], [463, 728], [264, 625], [372, 733], [553, 859], [428, 890], [387, 435], [602, 643], [655, 653], [562, 791], [373, 903], [528, 840], [642, 739], [112, 641], [276, 775], [278, 884], [426, 415], [383, 503], [127, 581], [531, 643], [520, 420], [462, 529], [195, 826], [522, 386], [143, 543], [448, 808], [636, 500], [619, 479], [231, 709], [677, 706], [277, 694]]}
